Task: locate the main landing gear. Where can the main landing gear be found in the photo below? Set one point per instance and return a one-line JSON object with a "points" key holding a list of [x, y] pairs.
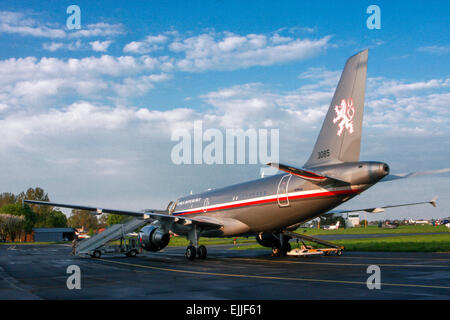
{"points": [[281, 247], [194, 250]]}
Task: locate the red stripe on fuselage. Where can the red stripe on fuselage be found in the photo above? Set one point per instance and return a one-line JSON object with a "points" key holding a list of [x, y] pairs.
{"points": [[250, 203]]}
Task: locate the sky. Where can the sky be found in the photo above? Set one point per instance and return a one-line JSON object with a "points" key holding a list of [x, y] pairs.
{"points": [[88, 114]]}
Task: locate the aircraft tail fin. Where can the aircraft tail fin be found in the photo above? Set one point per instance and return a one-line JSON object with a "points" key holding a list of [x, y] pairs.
{"points": [[340, 137]]}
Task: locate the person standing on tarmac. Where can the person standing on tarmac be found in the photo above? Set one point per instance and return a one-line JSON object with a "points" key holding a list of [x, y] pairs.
{"points": [[74, 245]]}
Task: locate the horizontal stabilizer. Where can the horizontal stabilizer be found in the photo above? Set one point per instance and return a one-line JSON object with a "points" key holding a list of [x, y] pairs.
{"points": [[391, 177], [309, 175], [381, 209]]}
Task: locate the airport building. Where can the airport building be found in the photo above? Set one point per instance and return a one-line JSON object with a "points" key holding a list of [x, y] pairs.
{"points": [[53, 234], [352, 220]]}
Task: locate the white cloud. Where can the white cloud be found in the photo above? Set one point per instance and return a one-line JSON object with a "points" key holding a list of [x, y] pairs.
{"points": [[78, 119], [250, 105], [394, 87], [101, 46], [18, 23], [227, 51], [149, 44], [30, 82], [54, 46], [139, 86], [26, 25], [100, 29], [439, 50]]}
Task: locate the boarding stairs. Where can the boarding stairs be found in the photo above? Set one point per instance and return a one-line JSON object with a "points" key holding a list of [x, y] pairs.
{"points": [[312, 239], [114, 232]]}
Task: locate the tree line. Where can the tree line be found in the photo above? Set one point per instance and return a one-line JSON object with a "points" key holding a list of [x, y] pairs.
{"points": [[17, 219]]}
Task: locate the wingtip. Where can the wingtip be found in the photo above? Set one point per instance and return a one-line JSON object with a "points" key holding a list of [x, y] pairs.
{"points": [[433, 201]]}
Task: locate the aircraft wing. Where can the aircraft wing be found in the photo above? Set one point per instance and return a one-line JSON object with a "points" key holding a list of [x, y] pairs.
{"points": [[391, 177], [381, 209], [309, 175], [152, 214]]}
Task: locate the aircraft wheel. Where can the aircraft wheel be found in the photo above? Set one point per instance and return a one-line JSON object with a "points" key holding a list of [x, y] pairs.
{"points": [[97, 254], [339, 253], [132, 253], [190, 253], [286, 249], [276, 252], [202, 252]]}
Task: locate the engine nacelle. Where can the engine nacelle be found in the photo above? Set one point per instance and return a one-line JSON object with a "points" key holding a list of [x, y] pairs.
{"points": [[152, 239], [267, 239]]}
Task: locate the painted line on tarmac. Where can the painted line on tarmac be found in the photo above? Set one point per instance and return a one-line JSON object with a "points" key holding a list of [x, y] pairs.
{"points": [[267, 277], [342, 264]]}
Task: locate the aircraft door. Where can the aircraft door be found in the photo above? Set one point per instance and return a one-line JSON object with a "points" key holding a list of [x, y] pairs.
{"points": [[205, 204], [282, 193]]}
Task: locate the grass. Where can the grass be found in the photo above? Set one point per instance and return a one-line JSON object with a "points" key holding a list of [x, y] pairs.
{"points": [[416, 243], [376, 230], [32, 243], [419, 243], [183, 242]]}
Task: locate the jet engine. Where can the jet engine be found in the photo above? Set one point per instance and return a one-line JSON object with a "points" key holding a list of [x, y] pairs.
{"points": [[152, 238]]}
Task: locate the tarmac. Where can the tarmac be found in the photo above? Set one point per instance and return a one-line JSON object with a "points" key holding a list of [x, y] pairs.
{"points": [[40, 272]]}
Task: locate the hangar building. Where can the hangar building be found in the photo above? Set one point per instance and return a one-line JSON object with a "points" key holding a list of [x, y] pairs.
{"points": [[53, 234]]}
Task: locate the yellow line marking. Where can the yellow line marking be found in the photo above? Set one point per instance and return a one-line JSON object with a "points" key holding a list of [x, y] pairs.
{"points": [[341, 264], [269, 277]]}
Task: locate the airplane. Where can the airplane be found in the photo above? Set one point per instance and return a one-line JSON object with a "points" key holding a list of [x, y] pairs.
{"points": [[332, 226], [269, 208], [389, 225]]}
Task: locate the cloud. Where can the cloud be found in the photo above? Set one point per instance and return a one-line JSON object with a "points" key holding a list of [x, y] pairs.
{"points": [[139, 86], [417, 108], [54, 46], [100, 29], [228, 51], [82, 118], [250, 105], [438, 50], [29, 82], [149, 44], [26, 25], [18, 23], [101, 46], [393, 87]]}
